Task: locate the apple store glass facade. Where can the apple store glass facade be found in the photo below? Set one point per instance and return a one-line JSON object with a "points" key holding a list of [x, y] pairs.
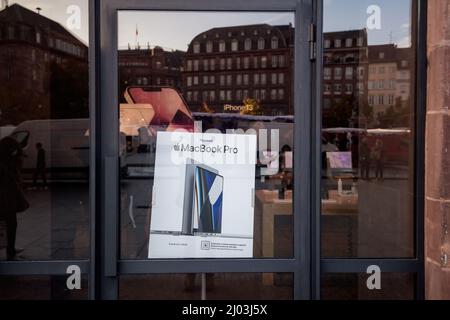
{"points": [[175, 151]]}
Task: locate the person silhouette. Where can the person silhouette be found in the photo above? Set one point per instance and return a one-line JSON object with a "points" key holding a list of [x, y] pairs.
{"points": [[12, 198], [40, 170]]}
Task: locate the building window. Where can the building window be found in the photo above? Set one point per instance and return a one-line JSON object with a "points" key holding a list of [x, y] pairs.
{"points": [[261, 44], [196, 65], [238, 95], [195, 96], [263, 79], [373, 70], [256, 78], [246, 79], [274, 61], [189, 81], [381, 84], [281, 78], [281, 61], [229, 95], [327, 73], [245, 94], [371, 101], [274, 43], [212, 63], [206, 65], [381, 100], [246, 62], [248, 44], [229, 80], [256, 94], [338, 73], [337, 89], [381, 55], [209, 47], [348, 88], [222, 95], [360, 42], [222, 46], [234, 45], [349, 43], [404, 63], [348, 73], [281, 94], [392, 84], [229, 63], [212, 95], [189, 96], [205, 80], [196, 47], [222, 80], [327, 44], [327, 88], [222, 63], [274, 78], [273, 94], [255, 62], [263, 94], [337, 43], [360, 73], [239, 79], [205, 95], [189, 65], [263, 62], [238, 63], [38, 37], [195, 81], [382, 70], [212, 79]]}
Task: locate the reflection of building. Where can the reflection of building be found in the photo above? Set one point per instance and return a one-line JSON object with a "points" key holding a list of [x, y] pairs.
{"points": [[345, 77], [389, 77], [225, 66], [150, 67], [44, 68]]}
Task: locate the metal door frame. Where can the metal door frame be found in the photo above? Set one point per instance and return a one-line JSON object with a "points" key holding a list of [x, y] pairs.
{"points": [[108, 265]]}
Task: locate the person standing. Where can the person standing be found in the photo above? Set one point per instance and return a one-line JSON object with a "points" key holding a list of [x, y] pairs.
{"points": [[41, 166], [12, 198], [378, 157], [365, 159]]}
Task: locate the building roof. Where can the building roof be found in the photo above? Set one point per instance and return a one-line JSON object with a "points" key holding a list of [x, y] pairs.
{"points": [[17, 14]]}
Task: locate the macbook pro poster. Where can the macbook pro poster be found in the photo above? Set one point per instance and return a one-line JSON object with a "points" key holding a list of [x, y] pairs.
{"points": [[203, 196]]}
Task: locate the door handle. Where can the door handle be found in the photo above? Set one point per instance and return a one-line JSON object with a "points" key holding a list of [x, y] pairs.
{"points": [[110, 216]]}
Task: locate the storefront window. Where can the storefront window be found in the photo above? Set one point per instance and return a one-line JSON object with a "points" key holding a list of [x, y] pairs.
{"points": [[368, 131], [229, 192], [44, 131]]}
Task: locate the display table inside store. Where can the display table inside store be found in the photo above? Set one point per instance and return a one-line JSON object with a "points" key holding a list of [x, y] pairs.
{"points": [[269, 206]]}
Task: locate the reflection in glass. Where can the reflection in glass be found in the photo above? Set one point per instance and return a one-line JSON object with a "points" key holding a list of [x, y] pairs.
{"points": [[40, 288], [210, 286], [368, 131], [44, 132], [394, 286], [230, 76]]}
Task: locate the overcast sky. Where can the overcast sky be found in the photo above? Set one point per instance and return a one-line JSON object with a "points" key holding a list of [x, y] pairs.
{"points": [[176, 29]]}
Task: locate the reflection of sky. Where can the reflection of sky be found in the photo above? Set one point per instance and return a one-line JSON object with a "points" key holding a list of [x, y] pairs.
{"points": [[340, 15], [57, 11], [176, 29]]}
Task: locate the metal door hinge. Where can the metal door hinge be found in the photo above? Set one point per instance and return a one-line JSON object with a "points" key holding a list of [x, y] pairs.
{"points": [[312, 42]]}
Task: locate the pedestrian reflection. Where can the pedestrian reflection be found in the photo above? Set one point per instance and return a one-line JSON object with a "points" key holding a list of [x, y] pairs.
{"points": [[12, 198]]}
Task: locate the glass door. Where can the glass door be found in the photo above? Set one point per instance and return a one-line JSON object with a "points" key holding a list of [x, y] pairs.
{"points": [[204, 150]]}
